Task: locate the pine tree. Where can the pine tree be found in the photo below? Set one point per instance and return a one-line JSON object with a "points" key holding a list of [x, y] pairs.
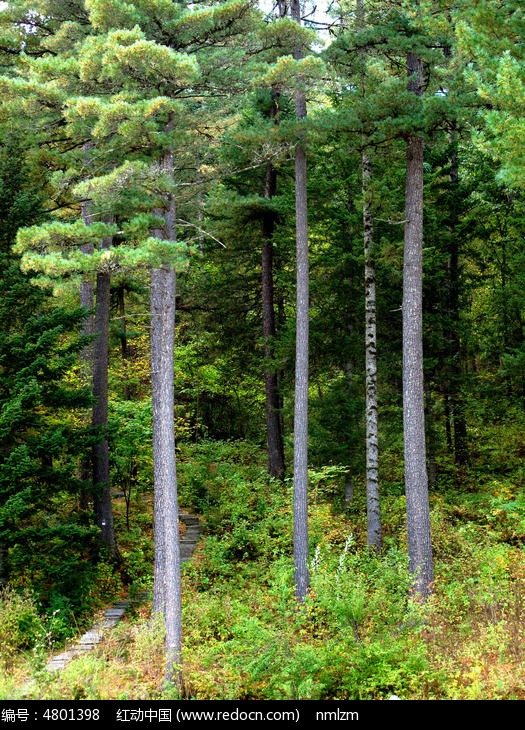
{"points": [[43, 531], [44, 84], [490, 36], [156, 54]]}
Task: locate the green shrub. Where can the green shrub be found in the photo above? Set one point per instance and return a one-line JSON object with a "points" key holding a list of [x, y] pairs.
{"points": [[21, 625], [56, 560]]}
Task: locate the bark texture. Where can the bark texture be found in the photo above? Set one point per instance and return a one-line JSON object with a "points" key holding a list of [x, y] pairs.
{"points": [[167, 588], [271, 380], [455, 355], [87, 302], [167, 593], [94, 366], [416, 479], [87, 293], [302, 576], [101, 482], [372, 441]]}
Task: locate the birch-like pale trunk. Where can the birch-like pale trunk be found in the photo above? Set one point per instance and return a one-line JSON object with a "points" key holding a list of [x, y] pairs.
{"points": [[372, 438], [373, 505]]}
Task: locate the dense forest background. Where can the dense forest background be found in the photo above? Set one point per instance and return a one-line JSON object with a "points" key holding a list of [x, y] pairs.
{"points": [[214, 297]]}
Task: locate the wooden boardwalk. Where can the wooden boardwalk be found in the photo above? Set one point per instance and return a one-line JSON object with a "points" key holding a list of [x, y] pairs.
{"points": [[112, 616]]}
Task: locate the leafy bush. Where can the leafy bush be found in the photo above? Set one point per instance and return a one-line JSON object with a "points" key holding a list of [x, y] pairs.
{"points": [[20, 623], [56, 561]]}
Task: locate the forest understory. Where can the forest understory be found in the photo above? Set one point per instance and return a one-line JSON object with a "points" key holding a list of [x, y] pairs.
{"points": [[359, 635]]}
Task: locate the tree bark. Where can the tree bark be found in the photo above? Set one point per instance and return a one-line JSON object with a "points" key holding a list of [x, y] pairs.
{"points": [[87, 293], [94, 365], [167, 587], [87, 302], [271, 380], [167, 594], [124, 350], [101, 483], [302, 576], [372, 440], [416, 479], [454, 396], [374, 537]]}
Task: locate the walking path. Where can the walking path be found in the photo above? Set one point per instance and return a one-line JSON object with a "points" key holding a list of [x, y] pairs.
{"points": [[112, 616]]}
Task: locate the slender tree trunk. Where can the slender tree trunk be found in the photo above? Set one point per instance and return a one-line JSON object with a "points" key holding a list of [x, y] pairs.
{"points": [[372, 440], [273, 418], [87, 302], [101, 482], [448, 423], [430, 438], [94, 368], [302, 577], [455, 397], [416, 480], [167, 597], [124, 350], [87, 293], [374, 537]]}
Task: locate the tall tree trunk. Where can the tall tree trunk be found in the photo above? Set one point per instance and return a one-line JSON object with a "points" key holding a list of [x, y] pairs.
{"points": [[101, 483], [94, 368], [374, 538], [167, 587], [416, 480], [167, 597], [302, 576], [455, 397], [87, 292], [372, 440], [87, 302], [271, 380]]}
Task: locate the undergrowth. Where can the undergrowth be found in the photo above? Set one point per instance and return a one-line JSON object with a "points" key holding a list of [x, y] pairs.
{"points": [[358, 634]]}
